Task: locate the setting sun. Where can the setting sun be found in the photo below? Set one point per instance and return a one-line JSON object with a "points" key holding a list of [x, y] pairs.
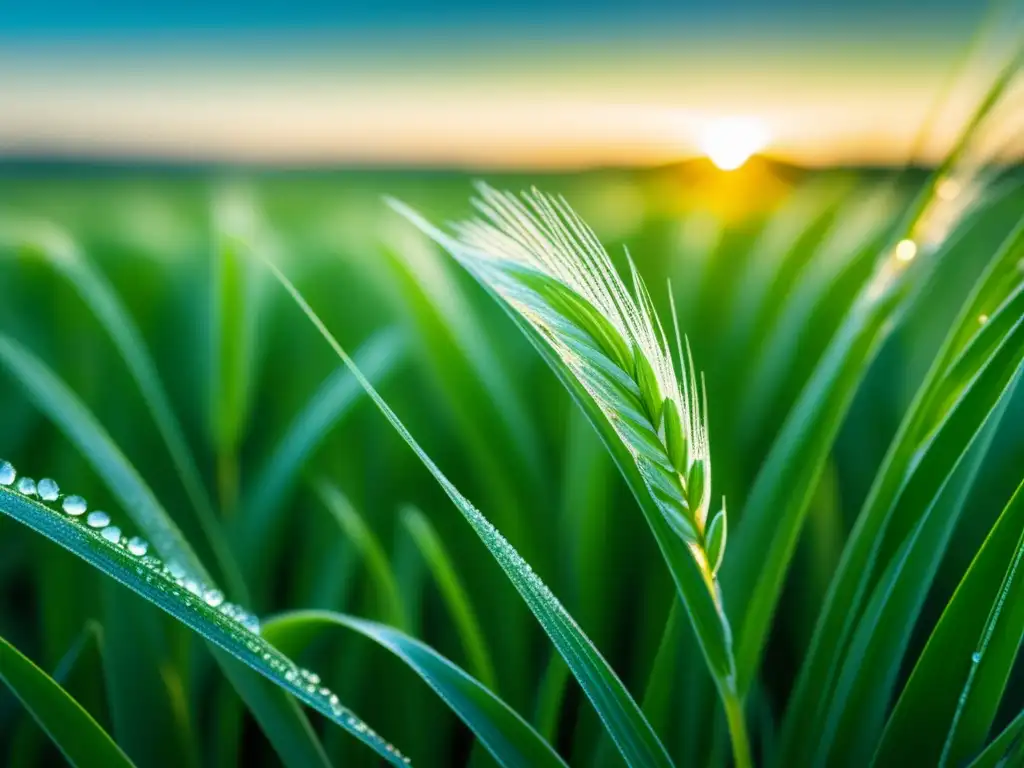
{"points": [[730, 142]]}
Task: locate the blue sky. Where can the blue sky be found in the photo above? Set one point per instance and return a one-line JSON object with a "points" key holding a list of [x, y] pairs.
{"points": [[43, 18]]}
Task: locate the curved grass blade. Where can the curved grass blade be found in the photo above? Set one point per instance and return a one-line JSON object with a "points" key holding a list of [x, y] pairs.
{"points": [[1000, 752], [443, 570], [509, 738], [54, 398], [379, 357], [865, 683], [854, 573], [198, 606], [124, 482], [369, 548], [949, 703], [551, 696], [779, 500], [620, 713], [546, 268], [73, 730], [99, 295]]}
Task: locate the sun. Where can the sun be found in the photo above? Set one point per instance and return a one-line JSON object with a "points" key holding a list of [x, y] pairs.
{"points": [[729, 142]]}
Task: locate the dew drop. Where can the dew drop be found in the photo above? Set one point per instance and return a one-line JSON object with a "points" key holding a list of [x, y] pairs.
{"points": [[976, 657], [7, 473], [176, 571], [251, 623], [75, 505], [213, 597], [137, 546], [26, 486], [112, 534], [98, 519], [48, 489]]}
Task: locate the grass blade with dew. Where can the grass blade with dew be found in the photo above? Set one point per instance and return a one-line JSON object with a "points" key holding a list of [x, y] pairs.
{"points": [[195, 603], [453, 592], [779, 500], [67, 259], [263, 501], [619, 712], [949, 703], [1000, 753], [851, 580], [124, 482], [607, 345], [509, 738], [72, 730], [389, 596]]}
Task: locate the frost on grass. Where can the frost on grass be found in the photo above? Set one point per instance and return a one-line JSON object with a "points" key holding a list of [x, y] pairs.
{"points": [[548, 267]]}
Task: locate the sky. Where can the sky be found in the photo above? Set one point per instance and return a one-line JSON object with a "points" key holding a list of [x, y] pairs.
{"points": [[460, 83]]}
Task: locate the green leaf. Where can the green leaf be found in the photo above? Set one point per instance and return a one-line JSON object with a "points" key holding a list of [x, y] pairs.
{"points": [[54, 398], [369, 548], [509, 738], [773, 517], [379, 357], [199, 607], [72, 730], [1006, 746], [621, 715], [949, 703], [862, 551], [455, 596], [864, 686], [67, 259], [716, 537], [542, 263]]}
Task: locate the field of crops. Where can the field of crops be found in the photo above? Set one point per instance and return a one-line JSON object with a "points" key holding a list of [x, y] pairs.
{"points": [[174, 352]]}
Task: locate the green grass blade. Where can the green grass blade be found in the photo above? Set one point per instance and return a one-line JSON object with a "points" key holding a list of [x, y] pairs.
{"points": [[551, 696], [754, 573], [861, 553], [364, 540], [146, 689], [73, 730], [454, 593], [279, 717], [620, 713], [233, 313], [1007, 745], [949, 703], [607, 346], [198, 606], [509, 738], [379, 357], [54, 398], [102, 299], [779, 500], [124, 482], [864, 686]]}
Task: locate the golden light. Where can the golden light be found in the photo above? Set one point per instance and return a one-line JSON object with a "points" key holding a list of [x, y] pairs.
{"points": [[906, 250], [730, 142], [948, 189], [982, 319]]}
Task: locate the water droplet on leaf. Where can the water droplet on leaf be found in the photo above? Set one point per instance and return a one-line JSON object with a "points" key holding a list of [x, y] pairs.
{"points": [[7, 473], [48, 489], [98, 519], [26, 486], [137, 546], [75, 505], [112, 534]]}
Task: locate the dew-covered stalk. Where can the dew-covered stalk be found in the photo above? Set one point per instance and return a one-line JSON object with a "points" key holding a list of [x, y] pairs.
{"points": [[91, 534], [607, 344]]}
